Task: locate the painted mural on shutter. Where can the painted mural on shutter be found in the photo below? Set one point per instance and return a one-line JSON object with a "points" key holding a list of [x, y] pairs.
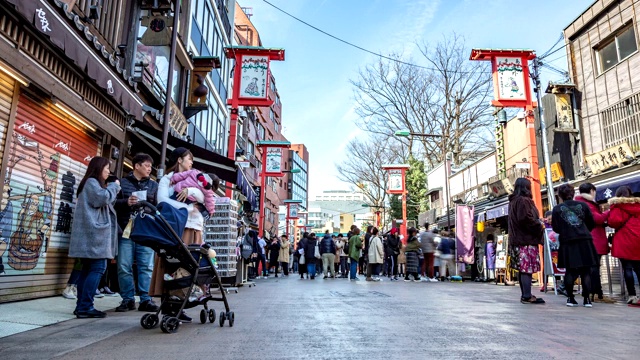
{"points": [[48, 158]]}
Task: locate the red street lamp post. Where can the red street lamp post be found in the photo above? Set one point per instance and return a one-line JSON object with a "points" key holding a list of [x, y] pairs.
{"points": [[292, 213], [397, 177], [251, 78], [271, 166]]}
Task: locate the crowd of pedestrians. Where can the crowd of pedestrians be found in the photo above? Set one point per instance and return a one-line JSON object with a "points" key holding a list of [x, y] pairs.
{"points": [[426, 256]]}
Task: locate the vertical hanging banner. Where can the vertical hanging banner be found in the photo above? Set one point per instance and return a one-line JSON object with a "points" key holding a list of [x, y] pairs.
{"points": [[464, 234], [254, 77], [273, 166], [396, 185]]}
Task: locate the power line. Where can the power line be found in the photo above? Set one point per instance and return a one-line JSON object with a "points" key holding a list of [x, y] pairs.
{"points": [[364, 49]]}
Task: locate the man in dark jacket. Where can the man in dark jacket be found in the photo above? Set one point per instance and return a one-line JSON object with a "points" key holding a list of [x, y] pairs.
{"points": [[393, 248], [599, 234], [328, 252], [135, 187]]}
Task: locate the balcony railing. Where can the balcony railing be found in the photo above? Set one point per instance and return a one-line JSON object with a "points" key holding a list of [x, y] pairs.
{"points": [[621, 123]]}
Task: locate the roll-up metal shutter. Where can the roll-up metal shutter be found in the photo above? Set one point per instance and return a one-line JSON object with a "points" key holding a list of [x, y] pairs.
{"points": [[6, 98], [48, 156]]}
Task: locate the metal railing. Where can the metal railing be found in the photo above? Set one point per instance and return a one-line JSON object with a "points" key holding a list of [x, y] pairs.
{"points": [[621, 123]]}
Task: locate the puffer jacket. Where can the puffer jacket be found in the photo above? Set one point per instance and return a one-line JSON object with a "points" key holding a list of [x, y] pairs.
{"points": [[600, 218], [624, 216], [525, 227], [309, 249], [327, 246]]}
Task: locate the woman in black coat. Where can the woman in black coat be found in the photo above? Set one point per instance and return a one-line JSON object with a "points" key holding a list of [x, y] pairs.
{"points": [[309, 255], [572, 221], [274, 251], [302, 264]]}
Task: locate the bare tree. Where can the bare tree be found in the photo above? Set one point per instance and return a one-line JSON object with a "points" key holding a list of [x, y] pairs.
{"points": [[362, 166], [449, 97]]}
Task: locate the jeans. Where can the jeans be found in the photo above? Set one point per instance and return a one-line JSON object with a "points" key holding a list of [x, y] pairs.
{"points": [[327, 264], [344, 265], [263, 260], [311, 268], [128, 251], [74, 277], [629, 267], [596, 283], [92, 271], [354, 268]]}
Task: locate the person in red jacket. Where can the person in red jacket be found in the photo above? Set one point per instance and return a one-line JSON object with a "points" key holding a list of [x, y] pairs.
{"points": [[599, 234], [625, 218]]}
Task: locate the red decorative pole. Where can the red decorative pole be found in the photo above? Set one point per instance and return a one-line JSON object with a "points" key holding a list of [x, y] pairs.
{"points": [[396, 185], [251, 76], [271, 166]]}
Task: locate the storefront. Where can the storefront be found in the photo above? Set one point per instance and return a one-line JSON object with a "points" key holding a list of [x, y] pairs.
{"points": [[61, 104]]}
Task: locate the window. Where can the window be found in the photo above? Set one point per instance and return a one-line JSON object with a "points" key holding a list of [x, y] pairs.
{"points": [[619, 48], [261, 132]]}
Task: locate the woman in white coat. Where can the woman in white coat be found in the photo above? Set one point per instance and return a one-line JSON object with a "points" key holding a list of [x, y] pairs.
{"points": [[376, 256]]}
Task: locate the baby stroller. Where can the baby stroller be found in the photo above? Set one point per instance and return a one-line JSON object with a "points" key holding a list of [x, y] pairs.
{"points": [[161, 229]]}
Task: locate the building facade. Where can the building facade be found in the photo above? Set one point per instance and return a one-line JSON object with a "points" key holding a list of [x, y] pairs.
{"points": [[79, 80], [340, 195]]}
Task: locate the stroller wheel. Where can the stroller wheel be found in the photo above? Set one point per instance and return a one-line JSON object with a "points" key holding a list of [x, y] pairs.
{"points": [[203, 316], [212, 316], [223, 317], [170, 325], [149, 321], [231, 316]]}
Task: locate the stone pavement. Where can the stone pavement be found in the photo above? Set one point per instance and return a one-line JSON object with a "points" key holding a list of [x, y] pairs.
{"points": [[289, 318]]}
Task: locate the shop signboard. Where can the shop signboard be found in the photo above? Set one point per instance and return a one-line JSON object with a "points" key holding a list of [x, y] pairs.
{"points": [[464, 234], [501, 252], [563, 113], [556, 173], [511, 79], [396, 185], [611, 157], [551, 252], [254, 77], [293, 211]]}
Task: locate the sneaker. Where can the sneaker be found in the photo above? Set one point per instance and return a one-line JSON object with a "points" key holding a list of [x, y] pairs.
{"points": [[532, 300], [587, 302], [184, 317], [68, 293], [126, 305], [98, 294], [148, 306], [571, 302], [424, 279], [325, 277], [75, 290], [433, 279], [377, 279], [107, 292], [93, 313], [632, 300], [407, 280]]}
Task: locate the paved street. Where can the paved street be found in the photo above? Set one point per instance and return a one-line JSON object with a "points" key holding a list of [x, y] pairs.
{"points": [[337, 319]]}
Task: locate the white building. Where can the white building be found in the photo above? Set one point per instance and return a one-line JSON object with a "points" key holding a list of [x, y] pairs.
{"points": [[340, 195]]}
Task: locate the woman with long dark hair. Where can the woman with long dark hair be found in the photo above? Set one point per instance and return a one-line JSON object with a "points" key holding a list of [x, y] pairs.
{"points": [[625, 218], [181, 160], [525, 234], [572, 221], [94, 232]]}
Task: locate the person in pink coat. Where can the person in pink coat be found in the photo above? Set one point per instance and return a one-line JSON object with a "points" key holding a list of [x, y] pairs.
{"points": [[197, 179], [599, 235]]}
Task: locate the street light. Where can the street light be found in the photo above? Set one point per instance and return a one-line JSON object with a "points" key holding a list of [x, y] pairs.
{"points": [[407, 133]]}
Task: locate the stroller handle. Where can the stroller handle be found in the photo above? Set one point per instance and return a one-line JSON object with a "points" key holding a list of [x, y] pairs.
{"points": [[144, 204]]}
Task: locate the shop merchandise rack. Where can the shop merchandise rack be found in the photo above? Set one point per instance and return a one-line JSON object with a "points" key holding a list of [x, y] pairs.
{"points": [[221, 233]]}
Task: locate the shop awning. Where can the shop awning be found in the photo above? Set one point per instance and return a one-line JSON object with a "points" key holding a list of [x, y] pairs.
{"points": [[606, 189], [203, 159], [246, 188]]}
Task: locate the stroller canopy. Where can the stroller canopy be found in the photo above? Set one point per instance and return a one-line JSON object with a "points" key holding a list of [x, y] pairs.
{"points": [[162, 231]]}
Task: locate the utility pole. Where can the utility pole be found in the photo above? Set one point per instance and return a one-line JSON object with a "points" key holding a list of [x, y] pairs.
{"points": [[456, 150], [543, 129]]}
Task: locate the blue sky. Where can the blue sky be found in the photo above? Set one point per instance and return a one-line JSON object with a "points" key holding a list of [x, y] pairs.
{"points": [[313, 81]]}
